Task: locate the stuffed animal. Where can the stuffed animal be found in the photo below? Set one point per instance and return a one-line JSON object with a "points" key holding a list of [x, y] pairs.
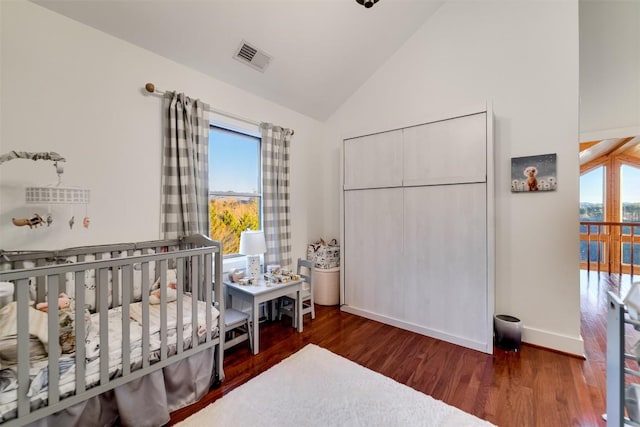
{"points": [[64, 302], [235, 275], [172, 294]]}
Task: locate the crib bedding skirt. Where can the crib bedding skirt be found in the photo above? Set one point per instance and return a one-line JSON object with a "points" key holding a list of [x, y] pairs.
{"points": [[138, 383], [146, 401], [38, 389]]}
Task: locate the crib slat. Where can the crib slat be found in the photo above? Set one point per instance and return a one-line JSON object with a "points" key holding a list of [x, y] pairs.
{"points": [[207, 286], [102, 285], [219, 298], [163, 311], [116, 286], [81, 327], [145, 314], [179, 305], [22, 292], [127, 282], [193, 278], [54, 334], [41, 290]]}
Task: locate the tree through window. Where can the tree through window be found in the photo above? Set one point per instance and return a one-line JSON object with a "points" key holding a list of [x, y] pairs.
{"points": [[235, 190]]}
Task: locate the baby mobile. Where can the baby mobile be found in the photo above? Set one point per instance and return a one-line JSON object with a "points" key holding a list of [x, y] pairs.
{"points": [[50, 194]]}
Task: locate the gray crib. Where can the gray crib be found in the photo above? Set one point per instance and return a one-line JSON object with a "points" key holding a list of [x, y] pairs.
{"points": [[138, 308]]}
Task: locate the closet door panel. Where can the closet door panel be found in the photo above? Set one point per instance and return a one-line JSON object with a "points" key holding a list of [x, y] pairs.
{"points": [[373, 161], [373, 250], [446, 256], [446, 152]]}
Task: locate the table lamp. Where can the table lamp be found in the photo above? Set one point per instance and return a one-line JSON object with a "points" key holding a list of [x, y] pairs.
{"points": [[252, 244]]}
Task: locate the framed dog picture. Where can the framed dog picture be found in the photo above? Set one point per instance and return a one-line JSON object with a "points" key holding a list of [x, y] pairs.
{"points": [[533, 173]]}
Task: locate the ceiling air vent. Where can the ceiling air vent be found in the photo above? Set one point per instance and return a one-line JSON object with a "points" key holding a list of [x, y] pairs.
{"points": [[252, 56]]}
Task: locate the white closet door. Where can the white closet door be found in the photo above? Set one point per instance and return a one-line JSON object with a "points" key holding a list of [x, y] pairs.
{"points": [[446, 152], [373, 161], [446, 255], [373, 250]]}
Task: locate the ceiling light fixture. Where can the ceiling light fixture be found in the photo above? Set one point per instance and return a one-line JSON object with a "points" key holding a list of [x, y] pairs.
{"points": [[367, 3]]}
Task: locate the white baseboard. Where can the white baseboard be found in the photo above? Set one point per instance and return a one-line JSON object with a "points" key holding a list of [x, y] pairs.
{"points": [[547, 339], [444, 336], [564, 343]]}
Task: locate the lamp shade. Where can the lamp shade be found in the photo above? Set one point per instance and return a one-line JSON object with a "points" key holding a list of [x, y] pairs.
{"points": [[252, 242]]}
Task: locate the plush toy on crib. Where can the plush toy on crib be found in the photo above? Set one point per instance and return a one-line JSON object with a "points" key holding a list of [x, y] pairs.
{"points": [[63, 302], [172, 294]]}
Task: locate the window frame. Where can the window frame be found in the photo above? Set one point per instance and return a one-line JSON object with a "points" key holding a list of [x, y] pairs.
{"points": [[612, 205], [254, 132]]}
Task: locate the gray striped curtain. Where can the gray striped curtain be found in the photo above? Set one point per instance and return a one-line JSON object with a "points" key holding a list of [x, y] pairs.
{"points": [[185, 167], [275, 194]]}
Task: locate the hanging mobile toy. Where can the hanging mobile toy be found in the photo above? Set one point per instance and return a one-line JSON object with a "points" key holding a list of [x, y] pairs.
{"points": [[49, 217], [86, 220], [35, 221]]}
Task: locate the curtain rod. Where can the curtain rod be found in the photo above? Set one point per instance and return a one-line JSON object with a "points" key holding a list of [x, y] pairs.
{"points": [[151, 88]]}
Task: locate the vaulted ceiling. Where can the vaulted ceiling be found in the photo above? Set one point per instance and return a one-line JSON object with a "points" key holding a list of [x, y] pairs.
{"points": [[322, 50], [622, 147]]}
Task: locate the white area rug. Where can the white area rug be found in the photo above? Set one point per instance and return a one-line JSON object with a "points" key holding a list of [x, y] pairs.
{"points": [[315, 387]]}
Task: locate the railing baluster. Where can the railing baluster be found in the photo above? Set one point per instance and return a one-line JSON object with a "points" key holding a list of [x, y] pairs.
{"points": [[632, 261], [599, 250], [620, 252], [608, 233], [588, 249], [611, 239]]}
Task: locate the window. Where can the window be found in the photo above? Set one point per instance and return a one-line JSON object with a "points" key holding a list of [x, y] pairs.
{"points": [[610, 198], [591, 209], [235, 189], [630, 198]]}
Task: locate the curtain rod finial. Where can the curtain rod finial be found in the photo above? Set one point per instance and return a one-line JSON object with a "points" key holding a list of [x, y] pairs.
{"points": [[150, 87]]}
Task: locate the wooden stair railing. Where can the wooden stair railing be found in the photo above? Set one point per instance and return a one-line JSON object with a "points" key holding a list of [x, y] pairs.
{"points": [[610, 239]]}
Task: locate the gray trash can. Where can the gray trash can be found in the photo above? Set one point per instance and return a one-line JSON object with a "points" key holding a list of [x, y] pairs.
{"points": [[507, 332]]}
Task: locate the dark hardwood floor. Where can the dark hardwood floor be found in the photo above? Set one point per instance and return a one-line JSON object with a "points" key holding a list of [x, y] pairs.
{"points": [[534, 387]]}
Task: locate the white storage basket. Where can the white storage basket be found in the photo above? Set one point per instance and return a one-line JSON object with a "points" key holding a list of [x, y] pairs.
{"points": [[326, 286]]}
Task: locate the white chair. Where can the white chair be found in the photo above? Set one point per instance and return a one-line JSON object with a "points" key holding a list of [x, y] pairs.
{"points": [[237, 328], [287, 304]]}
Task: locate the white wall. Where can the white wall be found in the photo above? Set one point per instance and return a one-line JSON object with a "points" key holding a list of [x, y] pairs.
{"points": [[74, 90], [68, 88], [609, 67], [522, 56]]}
